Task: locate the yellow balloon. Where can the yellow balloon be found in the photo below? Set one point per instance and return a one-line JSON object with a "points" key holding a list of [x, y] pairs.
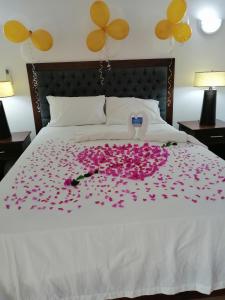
{"points": [[42, 39], [176, 10], [163, 29], [118, 29], [182, 32], [96, 40], [100, 13], [15, 31]]}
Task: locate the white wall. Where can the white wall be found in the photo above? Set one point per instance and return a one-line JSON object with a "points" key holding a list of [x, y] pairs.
{"points": [[69, 23]]}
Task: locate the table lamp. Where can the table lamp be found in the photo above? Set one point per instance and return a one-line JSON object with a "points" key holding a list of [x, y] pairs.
{"points": [[209, 79], [6, 90]]}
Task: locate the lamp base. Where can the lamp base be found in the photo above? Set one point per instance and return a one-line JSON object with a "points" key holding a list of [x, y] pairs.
{"points": [[4, 127], [208, 115]]}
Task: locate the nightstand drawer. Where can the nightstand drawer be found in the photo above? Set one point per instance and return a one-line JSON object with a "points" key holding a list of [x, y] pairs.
{"points": [[11, 148], [211, 137], [10, 151], [2, 154]]}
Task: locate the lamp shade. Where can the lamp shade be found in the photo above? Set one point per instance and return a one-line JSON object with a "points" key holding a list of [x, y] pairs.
{"points": [[209, 79], [6, 89]]}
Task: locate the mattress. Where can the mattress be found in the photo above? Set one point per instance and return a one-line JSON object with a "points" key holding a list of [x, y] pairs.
{"points": [[121, 232]]}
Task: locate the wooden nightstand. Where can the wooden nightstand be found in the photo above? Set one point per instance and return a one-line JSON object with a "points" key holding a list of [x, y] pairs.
{"points": [[212, 136], [12, 148]]}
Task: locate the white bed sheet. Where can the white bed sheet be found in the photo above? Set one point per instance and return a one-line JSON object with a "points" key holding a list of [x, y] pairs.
{"points": [[165, 246]]}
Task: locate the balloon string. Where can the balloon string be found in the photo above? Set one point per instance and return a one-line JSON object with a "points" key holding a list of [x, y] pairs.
{"points": [[35, 87], [108, 68], [108, 65], [101, 69], [172, 45], [188, 20], [34, 78], [187, 16], [30, 51]]}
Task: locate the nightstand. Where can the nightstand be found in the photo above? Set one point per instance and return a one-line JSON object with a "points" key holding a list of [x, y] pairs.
{"points": [[11, 148], [212, 136]]}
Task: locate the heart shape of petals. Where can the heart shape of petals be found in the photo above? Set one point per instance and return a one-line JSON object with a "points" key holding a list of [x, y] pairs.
{"points": [[130, 161]]}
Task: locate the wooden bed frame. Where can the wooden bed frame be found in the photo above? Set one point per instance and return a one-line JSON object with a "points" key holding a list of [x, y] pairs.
{"points": [[169, 64]]}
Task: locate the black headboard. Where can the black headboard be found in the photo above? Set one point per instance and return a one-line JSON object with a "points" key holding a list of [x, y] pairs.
{"points": [[147, 79]]}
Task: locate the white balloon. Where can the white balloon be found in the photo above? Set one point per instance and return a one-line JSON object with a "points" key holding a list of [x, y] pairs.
{"points": [[162, 48], [27, 52], [112, 48], [30, 54]]}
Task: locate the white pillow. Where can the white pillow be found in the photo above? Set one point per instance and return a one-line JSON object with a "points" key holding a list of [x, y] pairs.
{"points": [[71, 111], [118, 110]]}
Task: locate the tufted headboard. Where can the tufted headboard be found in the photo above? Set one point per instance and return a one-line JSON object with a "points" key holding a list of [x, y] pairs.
{"points": [[147, 79]]}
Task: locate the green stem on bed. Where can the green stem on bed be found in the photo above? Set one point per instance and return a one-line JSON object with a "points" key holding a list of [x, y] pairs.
{"points": [[168, 144], [76, 181]]}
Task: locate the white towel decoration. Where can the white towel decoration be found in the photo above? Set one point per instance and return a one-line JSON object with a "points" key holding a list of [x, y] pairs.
{"points": [[143, 129], [138, 131]]}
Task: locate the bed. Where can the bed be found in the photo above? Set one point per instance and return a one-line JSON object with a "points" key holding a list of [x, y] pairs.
{"points": [[118, 233]]}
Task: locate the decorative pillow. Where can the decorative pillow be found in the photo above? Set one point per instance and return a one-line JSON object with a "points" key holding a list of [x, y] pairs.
{"points": [[118, 110], [71, 111]]}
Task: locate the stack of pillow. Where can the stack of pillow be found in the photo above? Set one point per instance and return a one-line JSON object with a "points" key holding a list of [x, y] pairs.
{"points": [[94, 110]]}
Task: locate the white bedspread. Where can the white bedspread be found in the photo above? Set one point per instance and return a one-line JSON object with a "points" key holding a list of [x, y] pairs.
{"points": [[111, 237]]}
